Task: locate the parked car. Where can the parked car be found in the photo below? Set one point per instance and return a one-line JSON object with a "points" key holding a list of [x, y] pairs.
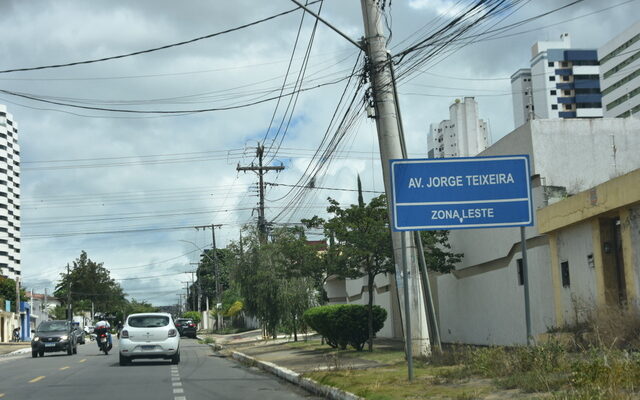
{"points": [[149, 335], [52, 336], [186, 327]]}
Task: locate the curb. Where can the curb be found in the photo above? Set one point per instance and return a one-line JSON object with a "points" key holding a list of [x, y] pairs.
{"points": [[17, 352], [288, 375]]}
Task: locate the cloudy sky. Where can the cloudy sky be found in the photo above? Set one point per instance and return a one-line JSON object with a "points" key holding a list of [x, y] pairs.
{"points": [[128, 188]]}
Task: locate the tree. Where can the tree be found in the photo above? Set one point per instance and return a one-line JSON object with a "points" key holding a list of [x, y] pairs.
{"points": [[206, 274], [135, 306], [362, 243], [436, 251], [90, 283], [8, 291], [273, 278]]}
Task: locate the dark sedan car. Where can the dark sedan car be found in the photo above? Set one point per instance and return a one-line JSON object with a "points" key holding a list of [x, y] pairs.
{"points": [[186, 327], [54, 336]]}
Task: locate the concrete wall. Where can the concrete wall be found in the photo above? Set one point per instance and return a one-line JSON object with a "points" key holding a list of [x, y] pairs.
{"points": [[574, 244], [482, 303]]}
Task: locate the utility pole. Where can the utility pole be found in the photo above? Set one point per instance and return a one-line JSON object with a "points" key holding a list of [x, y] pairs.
{"points": [[45, 306], [18, 303], [216, 271], [69, 310], [390, 140], [260, 170], [186, 299]]}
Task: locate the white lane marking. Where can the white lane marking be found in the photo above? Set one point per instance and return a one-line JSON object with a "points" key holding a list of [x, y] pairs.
{"points": [[177, 384], [179, 398], [178, 390]]}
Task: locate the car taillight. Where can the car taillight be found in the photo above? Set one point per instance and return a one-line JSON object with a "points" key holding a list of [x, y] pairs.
{"points": [[192, 325], [124, 334], [172, 332]]}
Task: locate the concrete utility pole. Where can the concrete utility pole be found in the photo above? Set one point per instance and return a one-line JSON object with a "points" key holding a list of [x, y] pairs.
{"points": [[260, 170], [390, 140]]}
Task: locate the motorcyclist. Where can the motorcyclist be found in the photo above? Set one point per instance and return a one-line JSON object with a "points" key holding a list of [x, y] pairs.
{"points": [[16, 335], [102, 327]]}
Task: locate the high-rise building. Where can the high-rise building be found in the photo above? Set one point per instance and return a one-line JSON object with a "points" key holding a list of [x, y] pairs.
{"points": [[9, 196], [462, 135], [620, 73], [562, 83]]}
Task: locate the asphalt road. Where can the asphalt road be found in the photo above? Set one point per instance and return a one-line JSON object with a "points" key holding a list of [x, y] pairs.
{"points": [[90, 375]]}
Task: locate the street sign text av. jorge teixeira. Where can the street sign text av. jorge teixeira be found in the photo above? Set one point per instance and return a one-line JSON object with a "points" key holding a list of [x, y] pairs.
{"points": [[461, 193]]}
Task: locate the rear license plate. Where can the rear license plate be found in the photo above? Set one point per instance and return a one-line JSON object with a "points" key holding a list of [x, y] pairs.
{"points": [[148, 347], [49, 345]]}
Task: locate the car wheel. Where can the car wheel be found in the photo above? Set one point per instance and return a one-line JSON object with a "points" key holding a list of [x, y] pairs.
{"points": [[124, 360], [176, 358], [34, 353]]}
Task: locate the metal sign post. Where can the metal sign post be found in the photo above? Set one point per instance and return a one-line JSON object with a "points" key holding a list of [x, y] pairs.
{"points": [[407, 307], [525, 279]]}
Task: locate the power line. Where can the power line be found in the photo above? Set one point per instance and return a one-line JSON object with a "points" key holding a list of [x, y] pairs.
{"points": [[135, 53], [170, 112]]}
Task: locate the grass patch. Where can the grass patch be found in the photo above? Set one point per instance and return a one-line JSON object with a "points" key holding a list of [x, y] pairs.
{"points": [[391, 383], [207, 340]]}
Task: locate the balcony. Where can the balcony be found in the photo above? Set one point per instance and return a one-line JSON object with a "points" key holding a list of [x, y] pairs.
{"points": [[566, 100], [567, 114]]}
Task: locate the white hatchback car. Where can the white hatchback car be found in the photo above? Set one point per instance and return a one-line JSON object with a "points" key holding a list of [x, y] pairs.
{"points": [[149, 335]]}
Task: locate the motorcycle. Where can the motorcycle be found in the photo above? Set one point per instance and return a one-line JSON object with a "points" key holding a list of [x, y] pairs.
{"points": [[103, 342]]}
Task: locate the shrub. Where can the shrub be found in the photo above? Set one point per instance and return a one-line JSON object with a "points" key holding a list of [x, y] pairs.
{"points": [[194, 315], [345, 324]]}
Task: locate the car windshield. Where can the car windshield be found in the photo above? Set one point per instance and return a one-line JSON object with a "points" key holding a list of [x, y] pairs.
{"points": [[53, 326], [148, 321]]}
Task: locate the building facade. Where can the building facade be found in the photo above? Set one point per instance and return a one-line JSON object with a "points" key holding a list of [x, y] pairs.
{"points": [[9, 196], [620, 74], [462, 135], [564, 83], [579, 168]]}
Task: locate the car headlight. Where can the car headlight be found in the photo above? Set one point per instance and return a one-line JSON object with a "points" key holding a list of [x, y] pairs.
{"points": [[64, 337], [36, 338]]}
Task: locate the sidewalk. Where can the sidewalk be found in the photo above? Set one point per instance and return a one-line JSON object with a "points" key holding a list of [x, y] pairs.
{"points": [[7, 348], [298, 356]]}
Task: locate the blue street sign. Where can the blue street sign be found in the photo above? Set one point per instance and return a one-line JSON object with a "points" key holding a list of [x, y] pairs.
{"points": [[461, 193]]}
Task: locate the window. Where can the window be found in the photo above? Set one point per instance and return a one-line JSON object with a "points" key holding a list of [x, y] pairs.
{"points": [[564, 271], [526, 93], [553, 92], [552, 78], [550, 63], [565, 64], [520, 272], [567, 92], [565, 78], [554, 106]]}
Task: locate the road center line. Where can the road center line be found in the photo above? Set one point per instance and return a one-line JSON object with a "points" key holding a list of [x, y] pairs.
{"points": [[1, 394], [178, 390], [83, 360], [34, 380], [177, 384], [63, 368]]}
